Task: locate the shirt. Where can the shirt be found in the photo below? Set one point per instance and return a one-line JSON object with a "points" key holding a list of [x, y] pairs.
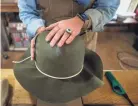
{"points": [[100, 13]]}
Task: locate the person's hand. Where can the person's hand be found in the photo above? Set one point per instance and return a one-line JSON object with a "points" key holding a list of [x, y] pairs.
{"points": [[39, 30], [58, 34]]}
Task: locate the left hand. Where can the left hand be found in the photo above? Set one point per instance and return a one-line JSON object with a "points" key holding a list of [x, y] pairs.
{"points": [[58, 34]]}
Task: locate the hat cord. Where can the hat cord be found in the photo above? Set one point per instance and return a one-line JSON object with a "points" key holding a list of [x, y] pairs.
{"points": [[22, 60], [48, 74]]}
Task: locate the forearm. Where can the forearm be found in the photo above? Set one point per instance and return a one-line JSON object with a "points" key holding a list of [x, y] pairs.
{"points": [[102, 14], [99, 18], [30, 17]]}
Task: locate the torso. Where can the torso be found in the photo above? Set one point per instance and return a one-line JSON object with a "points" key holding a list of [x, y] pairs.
{"points": [[56, 10]]}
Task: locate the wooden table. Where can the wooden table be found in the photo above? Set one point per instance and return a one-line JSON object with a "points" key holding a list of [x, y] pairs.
{"points": [[20, 95], [103, 96]]}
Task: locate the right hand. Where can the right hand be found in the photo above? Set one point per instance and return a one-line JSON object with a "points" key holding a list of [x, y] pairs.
{"points": [[39, 30]]}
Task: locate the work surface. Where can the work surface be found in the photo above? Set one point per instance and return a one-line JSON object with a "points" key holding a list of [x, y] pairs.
{"points": [[103, 96]]}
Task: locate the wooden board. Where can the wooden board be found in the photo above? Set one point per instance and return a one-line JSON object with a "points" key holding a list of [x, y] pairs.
{"points": [[9, 7], [20, 95], [77, 102], [105, 95]]}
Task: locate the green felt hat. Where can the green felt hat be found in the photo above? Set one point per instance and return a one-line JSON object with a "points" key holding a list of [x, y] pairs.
{"points": [[59, 75]]}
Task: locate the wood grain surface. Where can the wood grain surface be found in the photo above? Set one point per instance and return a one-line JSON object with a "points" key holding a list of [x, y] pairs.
{"points": [[77, 102], [105, 95], [100, 97], [20, 95], [9, 7]]}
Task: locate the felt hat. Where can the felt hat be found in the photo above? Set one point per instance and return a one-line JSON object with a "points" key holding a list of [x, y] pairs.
{"points": [[59, 75]]}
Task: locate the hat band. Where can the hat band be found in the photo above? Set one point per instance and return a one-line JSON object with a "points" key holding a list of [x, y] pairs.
{"points": [[48, 74]]}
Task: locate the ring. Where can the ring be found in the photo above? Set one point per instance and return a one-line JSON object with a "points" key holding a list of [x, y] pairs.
{"points": [[69, 31]]}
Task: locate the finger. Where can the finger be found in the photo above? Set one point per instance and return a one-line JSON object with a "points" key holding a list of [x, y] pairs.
{"points": [[41, 29], [32, 43], [32, 53], [50, 27], [63, 39], [56, 37], [70, 39], [52, 33], [32, 48]]}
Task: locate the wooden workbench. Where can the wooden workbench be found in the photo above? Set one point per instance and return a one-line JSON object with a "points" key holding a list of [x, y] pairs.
{"points": [[20, 95], [103, 96]]}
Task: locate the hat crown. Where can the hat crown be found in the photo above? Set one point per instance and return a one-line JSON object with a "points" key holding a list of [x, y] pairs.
{"points": [[59, 62]]}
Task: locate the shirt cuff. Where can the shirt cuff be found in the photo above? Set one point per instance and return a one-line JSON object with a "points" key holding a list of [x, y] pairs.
{"points": [[33, 26], [96, 19]]}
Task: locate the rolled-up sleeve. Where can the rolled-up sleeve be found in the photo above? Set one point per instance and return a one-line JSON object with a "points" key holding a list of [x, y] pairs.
{"points": [[102, 13], [30, 16]]}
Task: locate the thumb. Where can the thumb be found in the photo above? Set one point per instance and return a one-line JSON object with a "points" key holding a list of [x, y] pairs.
{"points": [[41, 29]]}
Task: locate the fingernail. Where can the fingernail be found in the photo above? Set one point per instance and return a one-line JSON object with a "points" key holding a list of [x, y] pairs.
{"points": [[59, 45], [52, 45], [47, 39], [67, 42]]}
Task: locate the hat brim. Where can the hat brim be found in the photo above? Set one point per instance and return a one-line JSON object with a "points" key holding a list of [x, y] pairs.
{"points": [[60, 91]]}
